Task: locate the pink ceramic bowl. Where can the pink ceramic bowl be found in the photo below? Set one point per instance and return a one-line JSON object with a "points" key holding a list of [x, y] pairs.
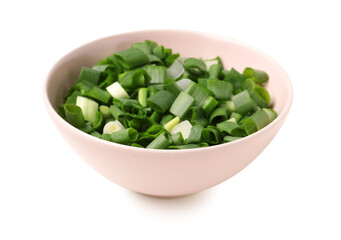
{"points": [[168, 173]]}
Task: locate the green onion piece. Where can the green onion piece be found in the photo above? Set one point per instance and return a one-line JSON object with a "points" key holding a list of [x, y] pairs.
{"points": [[110, 78], [105, 111], [209, 104], [177, 139], [171, 59], [242, 102], [152, 90], [87, 127], [124, 136], [73, 114], [116, 112], [131, 58], [133, 109], [145, 46], [98, 123], [155, 60], [99, 94], [214, 71], [156, 116], [256, 121], [172, 123], [135, 79], [142, 96], [235, 78], [182, 104], [158, 74], [141, 125], [102, 68], [73, 97], [212, 135], [221, 90], [217, 116], [196, 134], [172, 87], [161, 142], [261, 97], [89, 75], [106, 137], [271, 113], [183, 83], [175, 70], [236, 116], [248, 85], [258, 75], [96, 134], [232, 128], [112, 126], [136, 145], [184, 127], [117, 91], [228, 138], [195, 66], [165, 119], [161, 101], [198, 92], [198, 117], [89, 108], [203, 82], [159, 51]]}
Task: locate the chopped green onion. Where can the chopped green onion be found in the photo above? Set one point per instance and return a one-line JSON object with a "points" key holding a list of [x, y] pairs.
{"points": [[112, 126], [73, 114], [89, 108], [158, 74], [140, 124], [171, 124], [182, 104], [135, 79], [209, 104], [212, 135], [89, 75], [116, 112], [161, 101], [217, 116], [131, 58], [161, 142], [171, 59], [258, 75], [184, 127], [261, 97], [117, 91], [221, 90], [232, 128], [242, 102], [105, 111], [145, 46], [142, 96], [183, 83], [198, 117], [235, 78], [159, 51], [177, 139], [73, 97], [195, 66], [172, 87], [124, 136], [87, 127], [96, 134], [228, 138], [166, 118], [98, 123], [175, 70], [196, 134], [214, 71], [198, 92]]}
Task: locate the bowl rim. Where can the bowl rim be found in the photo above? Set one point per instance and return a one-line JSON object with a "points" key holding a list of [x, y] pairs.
{"points": [[281, 117]]}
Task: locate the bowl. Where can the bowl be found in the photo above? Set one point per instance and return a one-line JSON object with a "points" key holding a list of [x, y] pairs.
{"points": [[168, 173]]}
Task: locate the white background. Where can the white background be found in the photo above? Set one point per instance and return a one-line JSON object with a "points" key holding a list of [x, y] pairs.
{"points": [[291, 191]]}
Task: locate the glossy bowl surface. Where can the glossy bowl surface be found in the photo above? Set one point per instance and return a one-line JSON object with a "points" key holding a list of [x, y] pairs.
{"points": [[168, 173]]}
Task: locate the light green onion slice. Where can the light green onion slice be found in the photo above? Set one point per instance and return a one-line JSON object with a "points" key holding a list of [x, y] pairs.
{"points": [[89, 108], [242, 102], [221, 90], [196, 134], [112, 126], [182, 104], [175, 70], [184, 127], [161, 142], [158, 74], [171, 124], [117, 91]]}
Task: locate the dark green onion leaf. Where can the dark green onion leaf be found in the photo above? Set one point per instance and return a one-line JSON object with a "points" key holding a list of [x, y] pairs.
{"points": [[73, 114], [261, 97], [217, 116], [131, 58], [98, 123], [116, 112], [198, 92], [124, 136], [221, 90], [195, 67], [135, 79], [259, 76], [212, 135], [209, 104], [198, 116], [159, 51], [196, 134], [87, 127], [171, 59], [161, 142], [182, 104], [161, 101], [232, 129], [235, 78], [172, 87], [214, 71], [89, 75], [145, 46]]}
